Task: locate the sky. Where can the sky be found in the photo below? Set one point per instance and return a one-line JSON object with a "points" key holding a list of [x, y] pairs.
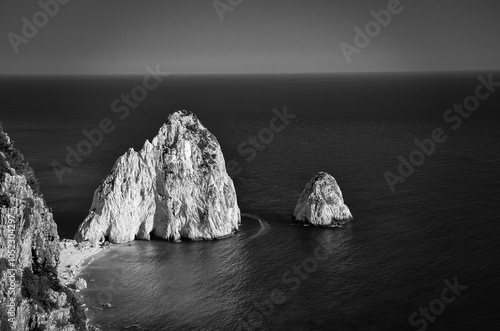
{"points": [[250, 36]]}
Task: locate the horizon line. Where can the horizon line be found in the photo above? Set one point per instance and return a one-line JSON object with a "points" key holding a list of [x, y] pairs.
{"points": [[259, 73]]}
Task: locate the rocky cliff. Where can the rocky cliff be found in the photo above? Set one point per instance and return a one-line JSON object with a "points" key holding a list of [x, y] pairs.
{"points": [[321, 203], [175, 187], [31, 295]]}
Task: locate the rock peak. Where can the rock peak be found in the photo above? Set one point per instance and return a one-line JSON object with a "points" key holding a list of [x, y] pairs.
{"points": [[321, 202], [175, 187]]}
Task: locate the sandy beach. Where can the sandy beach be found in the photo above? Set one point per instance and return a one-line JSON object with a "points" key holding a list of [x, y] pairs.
{"points": [[73, 257]]}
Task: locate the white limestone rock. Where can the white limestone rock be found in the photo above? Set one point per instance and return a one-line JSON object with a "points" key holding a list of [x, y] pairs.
{"points": [[321, 203], [80, 284], [175, 187]]}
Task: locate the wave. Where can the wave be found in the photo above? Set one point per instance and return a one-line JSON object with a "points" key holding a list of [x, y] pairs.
{"points": [[264, 226]]}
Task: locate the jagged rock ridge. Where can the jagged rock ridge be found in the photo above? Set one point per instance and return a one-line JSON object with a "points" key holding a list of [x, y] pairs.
{"points": [[175, 187], [321, 203], [29, 254]]}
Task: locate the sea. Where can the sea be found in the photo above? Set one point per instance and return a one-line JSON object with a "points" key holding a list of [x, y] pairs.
{"points": [[422, 250]]}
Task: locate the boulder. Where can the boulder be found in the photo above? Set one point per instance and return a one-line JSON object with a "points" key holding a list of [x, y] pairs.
{"points": [[80, 284]]}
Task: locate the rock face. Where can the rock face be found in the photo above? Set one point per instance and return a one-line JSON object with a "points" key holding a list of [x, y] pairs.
{"points": [[80, 284], [175, 187], [31, 295], [321, 203]]}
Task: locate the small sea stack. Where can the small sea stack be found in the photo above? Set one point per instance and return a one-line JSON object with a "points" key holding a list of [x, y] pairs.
{"points": [[321, 203]]}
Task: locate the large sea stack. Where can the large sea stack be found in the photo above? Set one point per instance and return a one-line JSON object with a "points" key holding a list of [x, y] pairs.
{"points": [[321, 203], [31, 295], [175, 187]]}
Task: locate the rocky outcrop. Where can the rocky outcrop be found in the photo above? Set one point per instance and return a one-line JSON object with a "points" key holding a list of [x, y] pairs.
{"points": [[321, 203], [175, 187], [81, 284], [31, 295]]}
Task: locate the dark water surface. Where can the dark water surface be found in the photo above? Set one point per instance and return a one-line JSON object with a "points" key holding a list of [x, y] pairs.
{"points": [[440, 224]]}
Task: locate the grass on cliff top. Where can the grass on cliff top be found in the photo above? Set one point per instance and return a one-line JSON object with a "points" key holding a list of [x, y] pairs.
{"points": [[15, 159]]}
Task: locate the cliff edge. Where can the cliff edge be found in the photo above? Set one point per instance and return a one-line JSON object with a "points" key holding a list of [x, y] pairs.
{"points": [[31, 295], [175, 187]]}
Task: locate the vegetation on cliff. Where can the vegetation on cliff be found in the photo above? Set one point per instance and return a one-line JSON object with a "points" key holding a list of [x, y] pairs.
{"points": [[31, 295], [11, 158]]}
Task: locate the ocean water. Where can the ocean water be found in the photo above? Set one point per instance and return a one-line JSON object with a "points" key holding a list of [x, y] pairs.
{"points": [[372, 274]]}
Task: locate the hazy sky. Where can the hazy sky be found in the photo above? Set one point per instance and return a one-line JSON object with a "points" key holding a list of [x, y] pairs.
{"points": [[258, 36]]}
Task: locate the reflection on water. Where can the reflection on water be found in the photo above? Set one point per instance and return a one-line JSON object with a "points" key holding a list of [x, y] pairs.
{"points": [[207, 284]]}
